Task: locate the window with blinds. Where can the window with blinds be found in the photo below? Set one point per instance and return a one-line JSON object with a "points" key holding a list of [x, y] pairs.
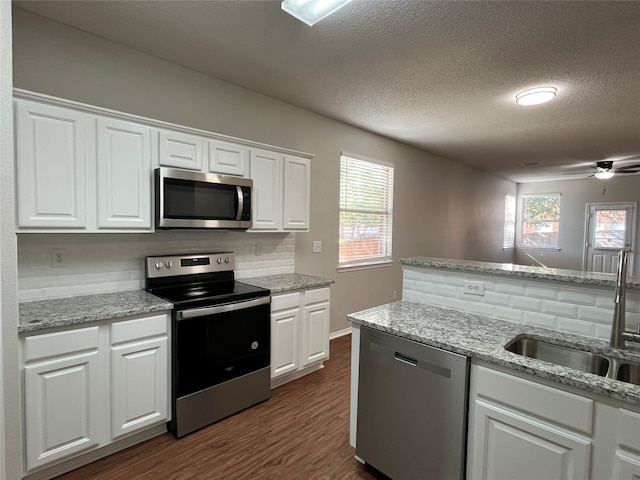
{"points": [[540, 221], [366, 212], [509, 238]]}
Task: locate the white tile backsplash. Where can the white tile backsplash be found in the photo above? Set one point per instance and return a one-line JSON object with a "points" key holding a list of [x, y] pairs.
{"points": [[583, 310], [101, 263]]}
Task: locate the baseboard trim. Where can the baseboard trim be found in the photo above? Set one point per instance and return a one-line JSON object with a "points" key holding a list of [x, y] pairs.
{"points": [[340, 333]]}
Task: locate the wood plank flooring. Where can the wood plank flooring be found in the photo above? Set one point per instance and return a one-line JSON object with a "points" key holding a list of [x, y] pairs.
{"points": [[301, 432]]}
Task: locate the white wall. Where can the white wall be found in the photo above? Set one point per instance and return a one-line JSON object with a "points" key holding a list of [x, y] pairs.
{"points": [[575, 196], [10, 425], [441, 208]]}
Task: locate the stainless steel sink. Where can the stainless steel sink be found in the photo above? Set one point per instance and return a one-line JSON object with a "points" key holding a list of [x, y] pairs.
{"points": [[629, 372], [567, 357]]}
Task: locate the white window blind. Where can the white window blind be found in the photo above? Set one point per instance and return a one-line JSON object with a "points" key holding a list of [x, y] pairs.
{"points": [[509, 238], [366, 212]]}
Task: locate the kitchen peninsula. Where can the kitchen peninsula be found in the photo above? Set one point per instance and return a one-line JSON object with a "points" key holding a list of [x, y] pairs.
{"points": [[552, 417]]}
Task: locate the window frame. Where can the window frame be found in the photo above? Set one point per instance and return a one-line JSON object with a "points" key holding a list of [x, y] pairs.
{"points": [[524, 218], [371, 262]]}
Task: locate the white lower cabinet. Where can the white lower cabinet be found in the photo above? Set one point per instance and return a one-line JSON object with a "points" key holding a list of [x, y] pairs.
{"points": [[62, 395], [531, 429], [299, 333], [87, 387], [139, 382]]}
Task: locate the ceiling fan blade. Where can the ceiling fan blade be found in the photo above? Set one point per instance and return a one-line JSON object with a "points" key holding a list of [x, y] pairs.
{"points": [[579, 173], [626, 171], [627, 167]]}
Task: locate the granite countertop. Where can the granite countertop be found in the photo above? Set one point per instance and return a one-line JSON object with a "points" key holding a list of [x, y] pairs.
{"points": [[287, 282], [59, 312], [484, 338], [522, 271]]}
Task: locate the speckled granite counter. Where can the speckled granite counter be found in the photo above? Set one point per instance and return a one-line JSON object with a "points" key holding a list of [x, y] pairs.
{"points": [[522, 271], [287, 282], [45, 314], [484, 338]]}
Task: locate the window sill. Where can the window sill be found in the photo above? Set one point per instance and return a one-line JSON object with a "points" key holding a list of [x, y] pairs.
{"points": [[347, 267], [523, 247]]}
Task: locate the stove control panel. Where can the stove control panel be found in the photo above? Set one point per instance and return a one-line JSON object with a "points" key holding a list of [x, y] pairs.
{"points": [[172, 265]]}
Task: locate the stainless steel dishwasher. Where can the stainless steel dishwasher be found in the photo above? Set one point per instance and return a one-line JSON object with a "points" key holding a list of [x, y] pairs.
{"points": [[412, 408]]}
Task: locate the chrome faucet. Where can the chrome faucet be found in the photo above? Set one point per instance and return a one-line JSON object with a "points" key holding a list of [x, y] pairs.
{"points": [[619, 334]]}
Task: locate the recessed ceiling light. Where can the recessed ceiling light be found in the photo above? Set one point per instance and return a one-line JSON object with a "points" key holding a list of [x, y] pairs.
{"points": [[534, 96]]}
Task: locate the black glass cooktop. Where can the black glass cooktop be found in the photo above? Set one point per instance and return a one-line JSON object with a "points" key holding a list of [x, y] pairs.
{"points": [[215, 293]]}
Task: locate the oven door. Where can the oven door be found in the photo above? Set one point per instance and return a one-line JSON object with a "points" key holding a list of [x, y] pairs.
{"points": [[219, 343]]}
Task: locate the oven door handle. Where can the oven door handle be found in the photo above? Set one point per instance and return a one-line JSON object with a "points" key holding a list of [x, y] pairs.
{"points": [[227, 307]]}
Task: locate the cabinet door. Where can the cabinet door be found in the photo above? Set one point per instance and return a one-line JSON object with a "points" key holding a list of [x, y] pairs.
{"points": [[180, 150], [285, 341], [123, 174], [315, 333], [509, 445], [227, 158], [266, 172], [62, 408], [138, 386], [297, 179], [51, 169]]}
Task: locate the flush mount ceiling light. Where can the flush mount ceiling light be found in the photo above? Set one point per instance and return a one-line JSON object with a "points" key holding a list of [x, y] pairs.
{"points": [[534, 96], [312, 11], [604, 174]]}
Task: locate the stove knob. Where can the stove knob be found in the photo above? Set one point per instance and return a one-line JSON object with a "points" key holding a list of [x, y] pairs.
{"points": [[219, 260], [159, 265], [227, 260], [168, 264]]}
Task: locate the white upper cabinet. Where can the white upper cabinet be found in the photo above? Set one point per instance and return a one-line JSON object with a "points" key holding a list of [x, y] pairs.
{"points": [[51, 166], [281, 191], [297, 189], [123, 174], [227, 158], [180, 150], [266, 172]]}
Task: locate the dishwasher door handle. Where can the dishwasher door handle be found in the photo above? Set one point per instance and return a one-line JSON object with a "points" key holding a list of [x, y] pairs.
{"points": [[405, 359], [401, 357]]}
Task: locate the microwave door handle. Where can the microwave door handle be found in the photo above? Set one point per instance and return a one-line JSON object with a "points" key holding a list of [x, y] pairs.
{"points": [[240, 202]]}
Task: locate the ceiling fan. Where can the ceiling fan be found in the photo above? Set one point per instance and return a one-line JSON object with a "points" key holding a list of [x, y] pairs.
{"points": [[604, 170]]}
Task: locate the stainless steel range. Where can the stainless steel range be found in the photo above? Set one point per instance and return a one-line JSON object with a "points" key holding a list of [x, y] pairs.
{"points": [[220, 338]]}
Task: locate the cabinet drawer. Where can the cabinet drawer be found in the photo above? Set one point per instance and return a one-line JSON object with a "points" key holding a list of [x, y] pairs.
{"points": [[282, 302], [38, 347], [628, 429], [316, 296], [558, 406], [129, 330]]}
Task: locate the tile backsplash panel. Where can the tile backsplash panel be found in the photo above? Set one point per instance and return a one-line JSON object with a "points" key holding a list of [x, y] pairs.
{"points": [[582, 310], [100, 263]]}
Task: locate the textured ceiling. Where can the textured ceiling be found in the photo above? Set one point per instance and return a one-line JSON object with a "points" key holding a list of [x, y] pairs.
{"points": [[439, 75]]}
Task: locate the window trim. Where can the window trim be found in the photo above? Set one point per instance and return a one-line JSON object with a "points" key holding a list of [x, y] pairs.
{"points": [[513, 222], [376, 262]]}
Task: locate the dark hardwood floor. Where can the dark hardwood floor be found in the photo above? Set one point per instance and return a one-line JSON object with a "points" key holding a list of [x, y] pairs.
{"points": [[301, 432]]}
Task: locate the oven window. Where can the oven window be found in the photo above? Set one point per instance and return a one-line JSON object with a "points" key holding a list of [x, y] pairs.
{"points": [[199, 200], [216, 348]]}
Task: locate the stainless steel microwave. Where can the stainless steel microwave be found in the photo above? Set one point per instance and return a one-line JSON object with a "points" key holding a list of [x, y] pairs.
{"points": [[185, 199]]}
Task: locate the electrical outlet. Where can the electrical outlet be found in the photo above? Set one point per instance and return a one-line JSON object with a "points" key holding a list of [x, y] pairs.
{"points": [[395, 294], [473, 288], [317, 246], [258, 249], [58, 257]]}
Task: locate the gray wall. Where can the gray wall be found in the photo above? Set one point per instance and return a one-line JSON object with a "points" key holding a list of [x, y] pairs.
{"points": [[10, 424], [575, 196], [449, 212]]}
